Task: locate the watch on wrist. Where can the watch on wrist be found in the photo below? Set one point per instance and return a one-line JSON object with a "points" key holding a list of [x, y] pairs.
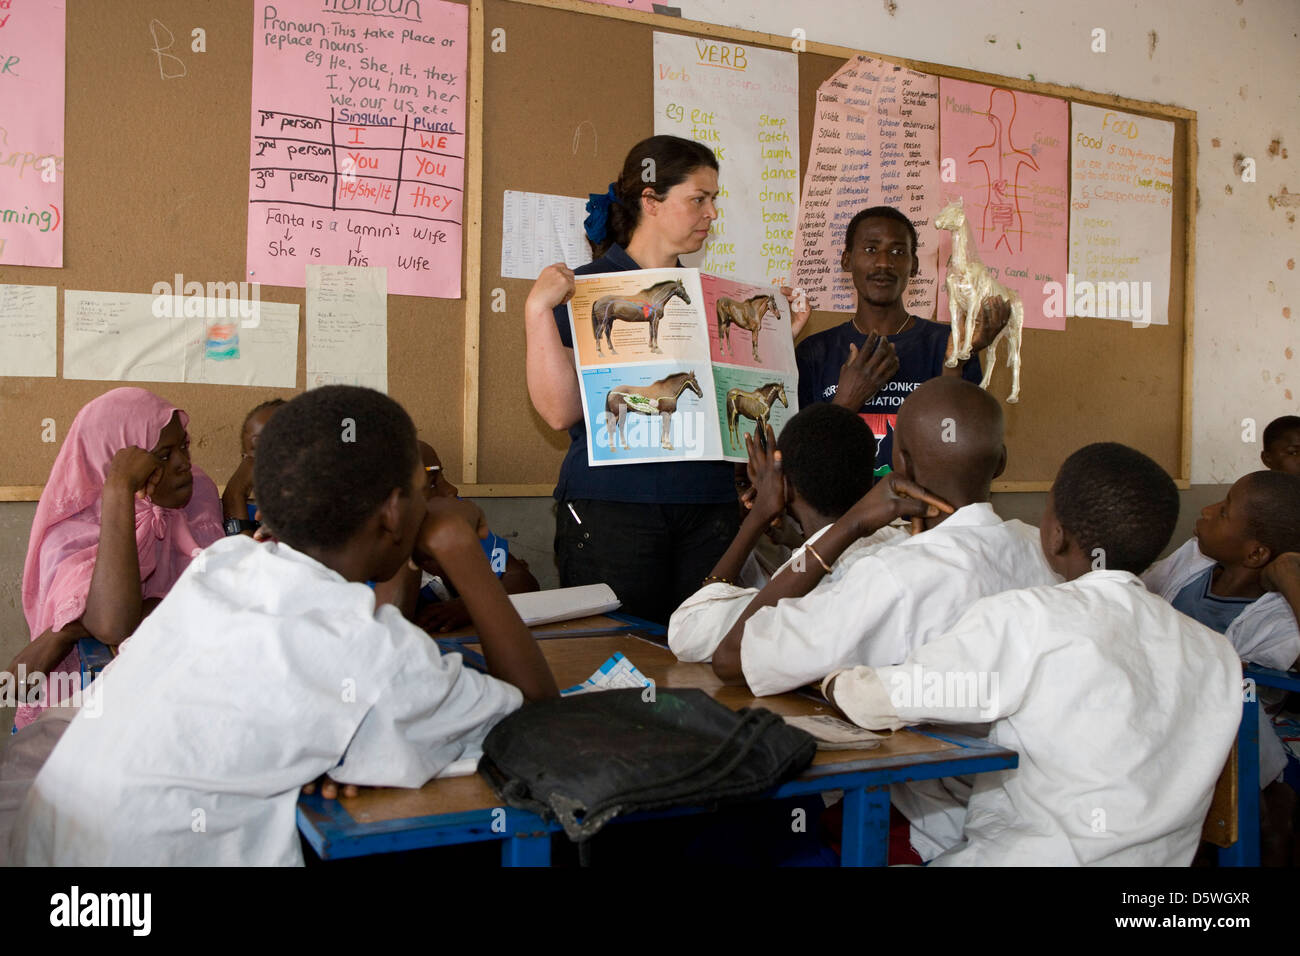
{"points": [[239, 526]]}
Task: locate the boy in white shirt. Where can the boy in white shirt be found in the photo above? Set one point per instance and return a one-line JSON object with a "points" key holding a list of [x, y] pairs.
{"points": [[269, 663], [821, 467], [949, 440], [1122, 710]]}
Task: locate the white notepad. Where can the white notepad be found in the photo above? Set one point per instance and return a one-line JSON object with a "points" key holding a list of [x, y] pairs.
{"points": [[564, 604]]}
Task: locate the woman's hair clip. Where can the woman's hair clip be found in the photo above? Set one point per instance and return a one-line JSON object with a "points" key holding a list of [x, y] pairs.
{"points": [[597, 222]]}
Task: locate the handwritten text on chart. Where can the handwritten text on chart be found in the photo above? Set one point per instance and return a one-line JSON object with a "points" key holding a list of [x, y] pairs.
{"points": [[742, 103], [358, 141]]}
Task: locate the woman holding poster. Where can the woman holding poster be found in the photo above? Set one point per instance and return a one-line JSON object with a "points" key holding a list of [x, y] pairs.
{"points": [[650, 531]]}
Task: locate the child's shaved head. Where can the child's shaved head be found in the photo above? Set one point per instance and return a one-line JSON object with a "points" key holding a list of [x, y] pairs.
{"points": [[1111, 497], [1272, 506], [949, 438]]}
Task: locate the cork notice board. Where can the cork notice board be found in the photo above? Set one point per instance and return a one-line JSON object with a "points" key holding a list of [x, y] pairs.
{"points": [[157, 184]]}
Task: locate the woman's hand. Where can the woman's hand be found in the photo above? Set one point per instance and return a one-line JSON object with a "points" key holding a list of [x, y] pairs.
{"points": [[553, 287], [44, 654], [135, 471], [799, 309]]}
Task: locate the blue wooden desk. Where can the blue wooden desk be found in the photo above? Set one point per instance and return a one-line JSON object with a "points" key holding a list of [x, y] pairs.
{"points": [[465, 809]]}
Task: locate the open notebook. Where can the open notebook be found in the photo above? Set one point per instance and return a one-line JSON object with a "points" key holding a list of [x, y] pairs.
{"points": [[564, 604]]}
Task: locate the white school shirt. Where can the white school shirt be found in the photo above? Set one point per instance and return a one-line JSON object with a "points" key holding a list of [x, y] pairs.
{"points": [[1264, 633], [1122, 710], [261, 670], [698, 626], [892, 600]]}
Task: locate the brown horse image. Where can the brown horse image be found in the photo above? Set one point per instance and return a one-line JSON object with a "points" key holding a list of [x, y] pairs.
{"points": [[658, 398], [748, 315], [644, 306], [756, 405]]}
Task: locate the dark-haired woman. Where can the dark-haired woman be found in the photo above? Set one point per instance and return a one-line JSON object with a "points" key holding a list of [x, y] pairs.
{"points": [[653, 531]]}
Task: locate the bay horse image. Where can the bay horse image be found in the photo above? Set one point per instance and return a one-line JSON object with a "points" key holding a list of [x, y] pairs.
{"points": [[748, 315], [644, 306], [756, 405], [658, 398]]}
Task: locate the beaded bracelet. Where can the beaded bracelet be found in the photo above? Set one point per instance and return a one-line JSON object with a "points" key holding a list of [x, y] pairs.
{"points": [[714, 579]]}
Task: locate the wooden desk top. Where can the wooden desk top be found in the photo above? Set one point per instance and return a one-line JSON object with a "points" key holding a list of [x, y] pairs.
{"points": [[573, 660]]}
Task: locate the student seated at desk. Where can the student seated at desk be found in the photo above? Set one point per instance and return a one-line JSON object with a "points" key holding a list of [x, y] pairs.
{"points": [[421, 589], [120, 518], [236, 508], [889, 602], [270, 664], [1123, 711], [1239, 575], [820, 468]]}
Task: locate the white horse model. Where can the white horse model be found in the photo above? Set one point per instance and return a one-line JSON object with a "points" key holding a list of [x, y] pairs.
{"points": [[969, 286]]}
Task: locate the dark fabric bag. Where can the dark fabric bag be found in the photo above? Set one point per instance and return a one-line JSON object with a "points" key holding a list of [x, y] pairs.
{"points": [[583, 760]]}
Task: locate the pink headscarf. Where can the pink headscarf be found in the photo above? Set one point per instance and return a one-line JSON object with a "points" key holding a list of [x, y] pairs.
{"points": [[65, 533]]}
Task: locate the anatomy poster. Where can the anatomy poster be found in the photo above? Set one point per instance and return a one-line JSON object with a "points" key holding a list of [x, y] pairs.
{"points": [[358, 142], [1010, 154], [645, 343]]}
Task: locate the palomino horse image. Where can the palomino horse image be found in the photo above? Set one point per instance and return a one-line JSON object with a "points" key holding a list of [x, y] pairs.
{"points": [[748, 315], [644, 306], [756, 405], [658, 398], [969, 286]]}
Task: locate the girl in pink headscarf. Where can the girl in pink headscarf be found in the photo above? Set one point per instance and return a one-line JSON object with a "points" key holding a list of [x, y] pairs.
{"points": [[120, 518]]}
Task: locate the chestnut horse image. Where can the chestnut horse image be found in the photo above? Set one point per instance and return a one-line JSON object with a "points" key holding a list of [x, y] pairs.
{"points": [[644, 306], [748, 315], [756, 405], [658, 398]]}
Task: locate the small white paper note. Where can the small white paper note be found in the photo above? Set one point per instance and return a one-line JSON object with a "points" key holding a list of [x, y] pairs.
{"points": [[347, 326], [28, 330], [115, 336], [538, 229]]}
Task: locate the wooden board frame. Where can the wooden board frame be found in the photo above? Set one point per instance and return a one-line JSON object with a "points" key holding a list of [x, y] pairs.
{"points": [[470, 445]]}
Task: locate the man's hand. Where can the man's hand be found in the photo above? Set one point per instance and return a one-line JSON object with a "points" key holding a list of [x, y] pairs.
{"points": [[893, 497], [799, 309], [866, 372], [1282, 573], [994, 315], [767, 503], [553, 287], [448, 521], [331, 789], [134, 470], [442, 616]]}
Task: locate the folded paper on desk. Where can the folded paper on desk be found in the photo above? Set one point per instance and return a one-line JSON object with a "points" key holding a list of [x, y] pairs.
{"points": [[459, 768], [831, 733], [564, 604], [617, 672]]}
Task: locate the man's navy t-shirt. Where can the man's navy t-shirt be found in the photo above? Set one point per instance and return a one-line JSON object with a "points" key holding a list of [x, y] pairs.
{"points": [[920, 350], [670, 483]]}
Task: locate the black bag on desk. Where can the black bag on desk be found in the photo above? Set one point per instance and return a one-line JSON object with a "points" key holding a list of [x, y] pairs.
{"points": [[584, 759]]}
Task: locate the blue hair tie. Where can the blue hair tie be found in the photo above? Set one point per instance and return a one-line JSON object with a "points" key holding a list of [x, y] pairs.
{"points": [[597, 222]]}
